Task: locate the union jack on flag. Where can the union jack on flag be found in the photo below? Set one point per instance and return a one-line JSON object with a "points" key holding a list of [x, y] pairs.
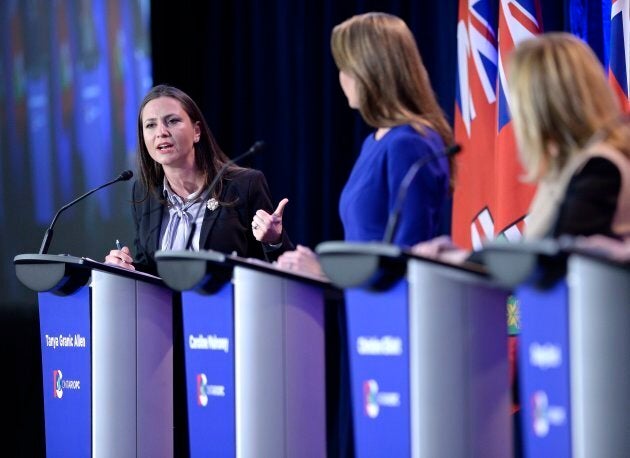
{"points": [[489, 198], [619, 65], [518, 21], [475, 120]]}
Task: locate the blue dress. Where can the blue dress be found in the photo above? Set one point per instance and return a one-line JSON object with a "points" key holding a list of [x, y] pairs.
{"points": [[370, 193]]}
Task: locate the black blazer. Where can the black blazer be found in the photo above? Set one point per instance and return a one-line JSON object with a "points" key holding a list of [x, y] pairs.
{"points": [[226, 229], [590, 201]]}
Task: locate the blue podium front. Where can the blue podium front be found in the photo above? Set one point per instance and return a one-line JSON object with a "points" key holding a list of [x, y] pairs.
{"points": [[66, 367], [428, 353], [574, 352], [209, 358], [254, 356], [106, 357], [544, 369], [378, 343]]}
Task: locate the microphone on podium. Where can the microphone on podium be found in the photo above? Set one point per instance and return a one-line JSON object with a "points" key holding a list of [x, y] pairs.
{"points": [[259, 145], [124, 176], [394, 216]]}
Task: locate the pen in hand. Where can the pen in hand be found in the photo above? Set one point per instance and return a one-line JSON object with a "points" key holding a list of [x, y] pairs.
{"points": [[122, 256], [119, 248]]}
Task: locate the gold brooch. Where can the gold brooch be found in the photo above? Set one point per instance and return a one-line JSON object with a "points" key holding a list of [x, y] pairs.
{"points": [[212, 204]]}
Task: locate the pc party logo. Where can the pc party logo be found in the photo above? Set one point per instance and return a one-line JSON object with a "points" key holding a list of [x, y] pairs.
{"points": [[370, 401], [205, 390], [545, 415], [374, 399], [57, 385], [202, 392]]}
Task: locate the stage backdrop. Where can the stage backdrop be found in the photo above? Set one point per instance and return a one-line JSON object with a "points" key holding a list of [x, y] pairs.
{"points": [[265, 71], [72, 74]]}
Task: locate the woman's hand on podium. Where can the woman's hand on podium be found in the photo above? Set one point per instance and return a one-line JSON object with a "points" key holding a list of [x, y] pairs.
{"points": [[121, 258], [441, 248], [301, 260], [618, 250]]}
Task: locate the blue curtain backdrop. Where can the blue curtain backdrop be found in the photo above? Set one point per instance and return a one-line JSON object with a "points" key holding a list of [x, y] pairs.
{"points": [[590, 21]]}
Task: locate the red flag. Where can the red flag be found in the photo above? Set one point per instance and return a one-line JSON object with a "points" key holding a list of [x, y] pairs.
{"points": [[518, 21], [475, 122]]}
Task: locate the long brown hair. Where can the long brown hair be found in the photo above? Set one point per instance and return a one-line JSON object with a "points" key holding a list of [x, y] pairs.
{"points": [[209, 158], [393, 87], [560, 98]]}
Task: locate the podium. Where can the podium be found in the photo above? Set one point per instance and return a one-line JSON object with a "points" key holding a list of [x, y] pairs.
{"points": [[106, 337], [254, 355], [428, 353], [574, 359]]}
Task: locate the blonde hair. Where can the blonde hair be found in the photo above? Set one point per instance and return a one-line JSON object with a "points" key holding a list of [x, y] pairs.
{"points": [[379, 51], [560, 100]]}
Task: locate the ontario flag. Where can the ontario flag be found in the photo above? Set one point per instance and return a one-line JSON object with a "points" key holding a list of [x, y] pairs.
{"points": [[518, 21], [619, 65], [475, 122]]}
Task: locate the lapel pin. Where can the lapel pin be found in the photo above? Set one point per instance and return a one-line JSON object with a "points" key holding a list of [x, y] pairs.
{"points": [[212, 204]]}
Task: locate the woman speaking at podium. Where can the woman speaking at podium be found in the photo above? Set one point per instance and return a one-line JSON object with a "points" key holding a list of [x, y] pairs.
{"points": [[179, 160], [382, 75]]}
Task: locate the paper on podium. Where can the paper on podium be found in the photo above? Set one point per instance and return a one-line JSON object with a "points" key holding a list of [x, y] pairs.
{"points": [[122, 269]]}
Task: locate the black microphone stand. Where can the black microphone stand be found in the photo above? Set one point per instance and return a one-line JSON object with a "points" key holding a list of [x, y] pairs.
{"points": [[193, 226], [124, 176], [394, 217]]}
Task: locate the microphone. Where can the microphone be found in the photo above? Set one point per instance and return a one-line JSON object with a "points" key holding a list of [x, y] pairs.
{"points": [[252, 149], [394, 216], [124, 176]]}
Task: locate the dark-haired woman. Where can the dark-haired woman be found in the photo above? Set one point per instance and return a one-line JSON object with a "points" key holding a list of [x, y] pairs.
{"points": [[178, 159]]}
